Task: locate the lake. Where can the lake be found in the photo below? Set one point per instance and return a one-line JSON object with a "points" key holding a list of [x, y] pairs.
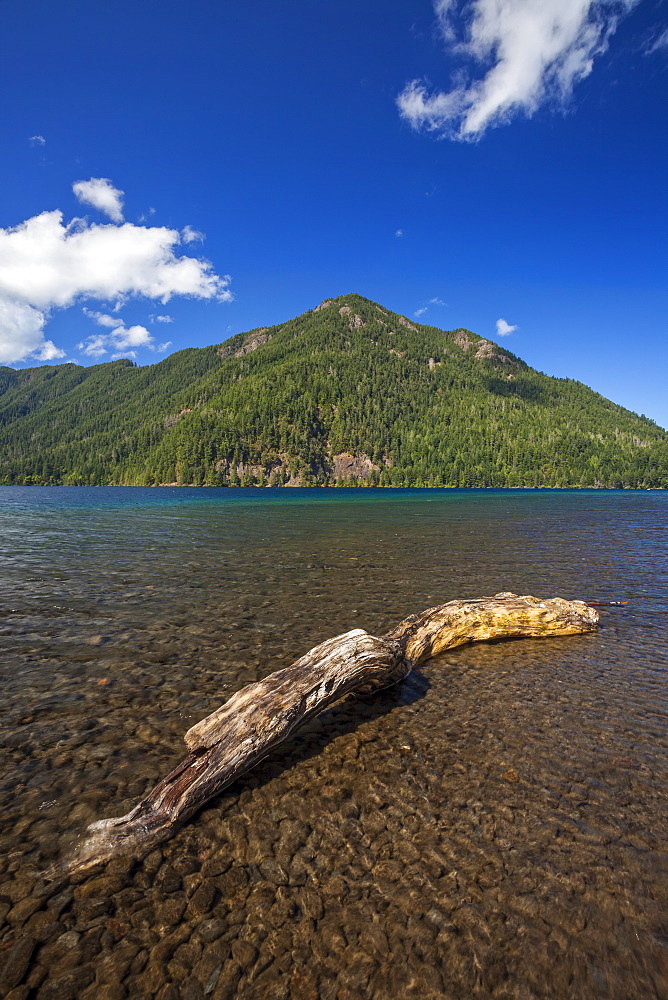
{"points": [[495, 826]]}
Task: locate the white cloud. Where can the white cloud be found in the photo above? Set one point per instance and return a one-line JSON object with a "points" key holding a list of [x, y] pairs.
{"points": [[190, 235], [425, 309], [504, 329], [37, 140], [121, 339], [103, 319], [532, 51], [46, 264], [658, 44], [49, 352], [399, 232], [22, 325], [133, 336], [162, 319], [101, 194]]}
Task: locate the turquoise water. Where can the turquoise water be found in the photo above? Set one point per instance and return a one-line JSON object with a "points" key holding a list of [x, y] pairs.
{"points": [[70, 497], [494, 827]]}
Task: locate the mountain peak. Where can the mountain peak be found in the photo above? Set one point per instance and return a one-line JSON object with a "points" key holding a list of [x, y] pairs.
{"points": [[348, 392]]}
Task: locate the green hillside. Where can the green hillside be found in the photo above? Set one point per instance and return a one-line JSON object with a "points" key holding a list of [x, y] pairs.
{"points": [[347, 393]]}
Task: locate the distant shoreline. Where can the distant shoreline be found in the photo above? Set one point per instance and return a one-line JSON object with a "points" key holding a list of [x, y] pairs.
{"points": [[329, 486]]}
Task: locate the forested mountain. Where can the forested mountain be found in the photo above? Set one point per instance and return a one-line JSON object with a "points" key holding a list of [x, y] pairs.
{"points": [[348, 393]]}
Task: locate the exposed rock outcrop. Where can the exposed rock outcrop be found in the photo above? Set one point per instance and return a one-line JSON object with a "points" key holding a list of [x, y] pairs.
{"points": [[348, 466], [250, 343], [462, 339], [406, 323], [490, 352], [355, 322], [485, 350], [253, 341]]}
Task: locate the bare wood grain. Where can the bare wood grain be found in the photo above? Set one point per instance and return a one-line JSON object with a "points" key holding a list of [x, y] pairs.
{"points": [[254, 721], [504, 616]]}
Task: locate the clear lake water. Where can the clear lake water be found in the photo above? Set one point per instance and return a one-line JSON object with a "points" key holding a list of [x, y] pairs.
{"points": [[495, 826]]}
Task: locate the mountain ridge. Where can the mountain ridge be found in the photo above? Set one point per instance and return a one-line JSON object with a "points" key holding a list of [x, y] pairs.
{"points": [[347, 393]]}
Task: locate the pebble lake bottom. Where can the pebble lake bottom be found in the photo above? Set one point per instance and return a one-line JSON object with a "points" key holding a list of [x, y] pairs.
{"points": [[495, 826]]}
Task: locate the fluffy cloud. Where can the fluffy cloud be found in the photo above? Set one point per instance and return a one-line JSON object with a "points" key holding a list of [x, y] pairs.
{"points": [[119, 342], [49, 264], [120, 338], [191, 235], [22, 325], [101, 194], [421, 311], [532, 51], [37, 140], [46, 264], [103, 319], [504, 329]]}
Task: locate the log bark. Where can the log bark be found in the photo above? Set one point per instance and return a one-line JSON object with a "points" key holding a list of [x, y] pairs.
{"points": [[255, 720]]}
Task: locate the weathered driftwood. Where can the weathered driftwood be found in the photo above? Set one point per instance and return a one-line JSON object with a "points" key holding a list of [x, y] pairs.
{"points": [[255, 720]]}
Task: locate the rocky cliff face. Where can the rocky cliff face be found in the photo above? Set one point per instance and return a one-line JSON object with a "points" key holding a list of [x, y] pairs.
{"points": [[249, 343], [357, 467]]}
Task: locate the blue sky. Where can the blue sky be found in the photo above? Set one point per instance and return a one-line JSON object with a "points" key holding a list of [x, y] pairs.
{"points": [[231, 165]]}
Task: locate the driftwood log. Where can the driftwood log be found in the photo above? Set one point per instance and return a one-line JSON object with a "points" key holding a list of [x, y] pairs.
{"points": [[255, 720]]}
